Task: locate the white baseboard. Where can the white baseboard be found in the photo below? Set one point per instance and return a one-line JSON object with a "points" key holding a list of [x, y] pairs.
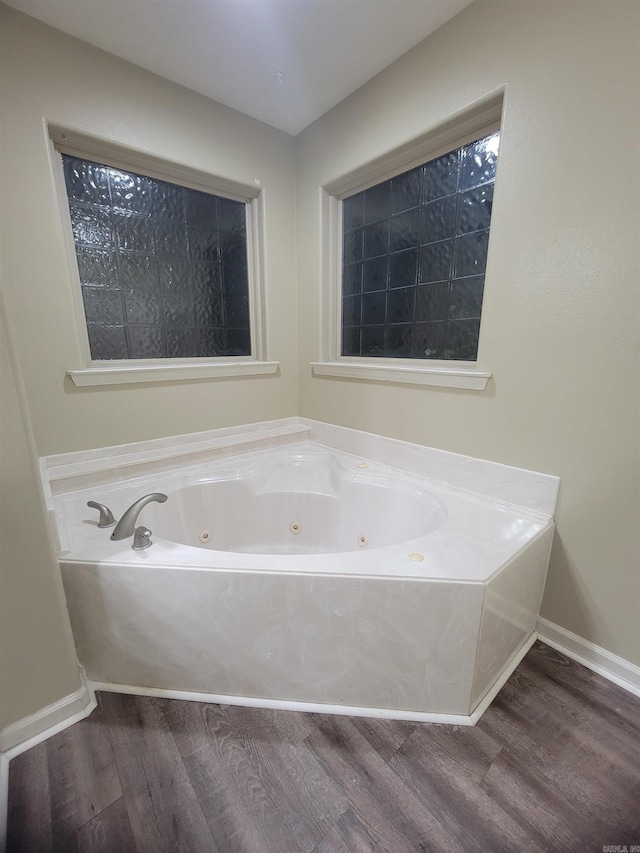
{"points": [[507, 672], [62, 713], [622, 672], [286, 704], [4, 800], [32, 730]]}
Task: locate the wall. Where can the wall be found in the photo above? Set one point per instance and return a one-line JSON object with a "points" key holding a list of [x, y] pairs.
{"points": [[38, 664], [560, 317], [49, 76], [37, 657]]}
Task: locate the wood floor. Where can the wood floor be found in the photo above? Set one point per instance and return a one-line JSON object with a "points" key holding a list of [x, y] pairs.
{"points": [[554, 764]]}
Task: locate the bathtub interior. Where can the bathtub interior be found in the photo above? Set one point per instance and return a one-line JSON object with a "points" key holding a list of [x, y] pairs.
{"points": [[297, 502]]}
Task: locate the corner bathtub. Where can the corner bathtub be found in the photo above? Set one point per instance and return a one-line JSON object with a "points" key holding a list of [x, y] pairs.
{"points": [[300, 576]]}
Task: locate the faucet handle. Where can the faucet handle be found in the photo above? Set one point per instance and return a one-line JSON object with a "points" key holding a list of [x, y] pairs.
{"points": [[106, 516], [141, 538]]}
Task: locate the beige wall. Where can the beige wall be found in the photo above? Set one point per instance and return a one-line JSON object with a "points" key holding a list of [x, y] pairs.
{"points": [[560, 317], [37, 657], [49, 76]]}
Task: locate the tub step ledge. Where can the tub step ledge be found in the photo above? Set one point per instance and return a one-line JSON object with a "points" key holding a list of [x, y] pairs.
{"points": [[74, 475]]}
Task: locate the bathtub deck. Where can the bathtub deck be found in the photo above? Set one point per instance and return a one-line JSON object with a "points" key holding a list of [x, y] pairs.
{"points": [[554, 764]]}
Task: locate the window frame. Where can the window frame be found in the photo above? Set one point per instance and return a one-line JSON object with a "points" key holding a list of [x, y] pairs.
{"points": [[124, 371], [481, 120]]}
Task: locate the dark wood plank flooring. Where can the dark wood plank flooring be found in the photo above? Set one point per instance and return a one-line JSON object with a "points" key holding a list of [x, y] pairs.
{"points": [[554, 764]]}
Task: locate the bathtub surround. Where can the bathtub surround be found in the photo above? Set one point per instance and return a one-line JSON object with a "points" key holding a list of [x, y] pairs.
{"points": [[290, 569], [68, 472], [560, 311]]}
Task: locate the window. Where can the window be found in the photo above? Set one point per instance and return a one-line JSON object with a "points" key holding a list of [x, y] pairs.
{"points": [[404, 241], [414, 252], [163, 267]]}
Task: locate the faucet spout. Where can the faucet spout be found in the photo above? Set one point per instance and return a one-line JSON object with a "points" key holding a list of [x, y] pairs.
{"points": [[125, 527]]}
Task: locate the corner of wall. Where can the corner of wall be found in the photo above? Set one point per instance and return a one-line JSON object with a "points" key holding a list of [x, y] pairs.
{"points": [[37, 653]]}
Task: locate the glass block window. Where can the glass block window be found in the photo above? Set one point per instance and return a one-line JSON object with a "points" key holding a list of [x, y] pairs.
{"points": [[414, 251], [163, 268]]}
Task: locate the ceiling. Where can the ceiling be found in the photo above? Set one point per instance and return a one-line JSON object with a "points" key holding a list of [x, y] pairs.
{"points": [[285, 62]]}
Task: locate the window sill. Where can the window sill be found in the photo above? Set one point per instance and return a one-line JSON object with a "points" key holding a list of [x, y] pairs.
{"points": [[125, 374], [448, 377]]}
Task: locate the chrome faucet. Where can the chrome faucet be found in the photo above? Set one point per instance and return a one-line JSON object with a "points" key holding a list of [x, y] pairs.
{"points": [[106, 516], [125, 527], [141, 538]]}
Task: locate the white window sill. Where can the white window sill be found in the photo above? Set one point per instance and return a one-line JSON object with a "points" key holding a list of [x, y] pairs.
{"points": [[448, 377], [125, 374]]}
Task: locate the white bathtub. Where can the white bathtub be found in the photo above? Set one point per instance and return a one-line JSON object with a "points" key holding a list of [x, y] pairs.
{"points": [[287, 571]]}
